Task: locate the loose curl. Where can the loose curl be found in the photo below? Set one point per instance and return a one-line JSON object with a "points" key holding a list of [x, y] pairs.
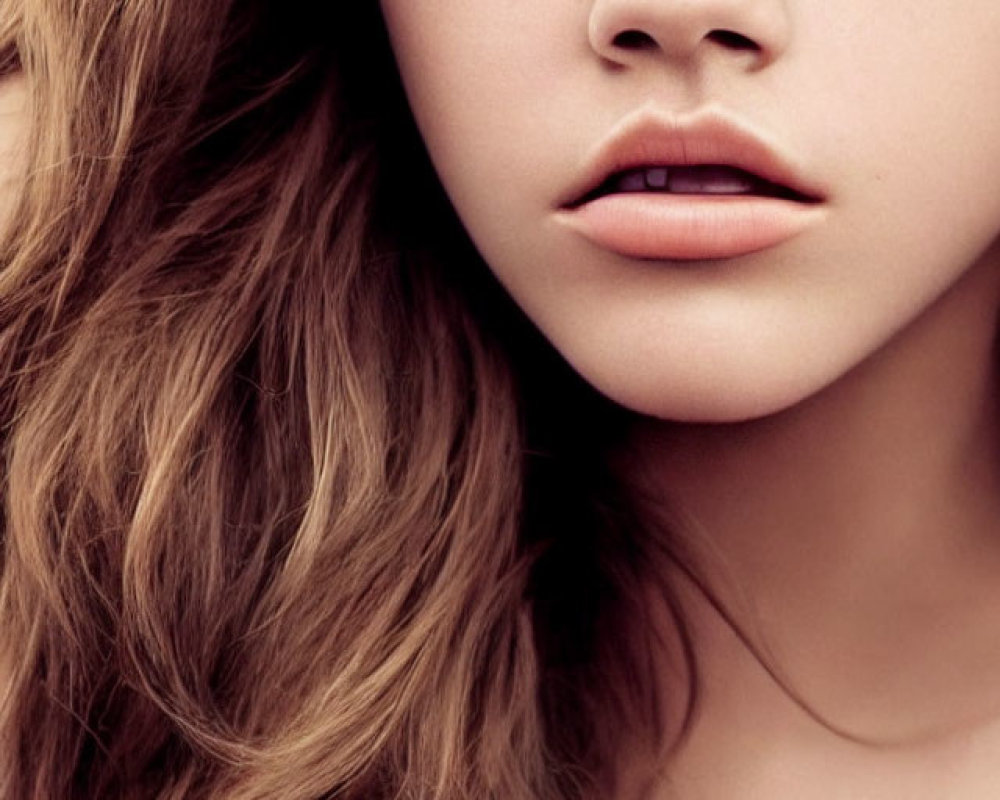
{"points": [[294, 503]]}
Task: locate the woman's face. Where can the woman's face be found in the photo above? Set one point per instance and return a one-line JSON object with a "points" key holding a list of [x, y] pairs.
{"points": [[694, 294]]}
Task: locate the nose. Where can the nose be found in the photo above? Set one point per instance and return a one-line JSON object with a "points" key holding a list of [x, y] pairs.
{"points": [[625, 32]]}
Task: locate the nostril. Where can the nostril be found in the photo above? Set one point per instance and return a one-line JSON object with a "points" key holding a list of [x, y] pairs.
{"points": [[732, 40], [634, 40]]}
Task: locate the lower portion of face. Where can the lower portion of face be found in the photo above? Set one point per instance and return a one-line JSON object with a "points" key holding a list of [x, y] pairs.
{"points": [[874, 128]]}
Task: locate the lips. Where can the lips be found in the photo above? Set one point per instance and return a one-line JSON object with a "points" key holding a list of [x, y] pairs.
{"points": [[700, 187]]}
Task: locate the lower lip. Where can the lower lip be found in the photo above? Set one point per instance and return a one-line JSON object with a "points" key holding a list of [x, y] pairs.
{"points": [[689, 226]]}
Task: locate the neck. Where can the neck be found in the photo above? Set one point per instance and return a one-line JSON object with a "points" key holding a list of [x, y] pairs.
{"points": [[863, 524]]}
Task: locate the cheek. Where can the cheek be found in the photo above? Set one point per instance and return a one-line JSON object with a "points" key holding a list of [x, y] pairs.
{"points": [[488, 83], [914, 134], [914, 112]]}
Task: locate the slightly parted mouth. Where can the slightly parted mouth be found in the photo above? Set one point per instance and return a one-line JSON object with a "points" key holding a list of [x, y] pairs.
{"points": [[706, 152], [698, 179]]}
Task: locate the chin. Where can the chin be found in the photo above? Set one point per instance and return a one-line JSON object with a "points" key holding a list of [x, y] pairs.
{"points": [[718, 401]]}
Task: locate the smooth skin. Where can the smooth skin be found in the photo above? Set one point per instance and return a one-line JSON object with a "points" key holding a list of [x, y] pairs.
{"points": [[821, 413]]}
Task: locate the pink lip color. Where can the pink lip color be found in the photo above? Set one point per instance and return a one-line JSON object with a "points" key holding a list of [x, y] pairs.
{"points": [[687, 226], [681, 226]]}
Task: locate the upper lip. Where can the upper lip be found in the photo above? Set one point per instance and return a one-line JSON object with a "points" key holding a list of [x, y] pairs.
{"points": [[651, 138]]}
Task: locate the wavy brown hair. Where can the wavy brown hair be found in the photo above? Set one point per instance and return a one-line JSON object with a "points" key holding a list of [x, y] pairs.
{"points": [[291, 504]]}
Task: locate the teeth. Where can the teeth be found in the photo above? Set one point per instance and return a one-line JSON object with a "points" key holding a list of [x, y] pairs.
{"points": [[701, 179], [708, 180]]}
